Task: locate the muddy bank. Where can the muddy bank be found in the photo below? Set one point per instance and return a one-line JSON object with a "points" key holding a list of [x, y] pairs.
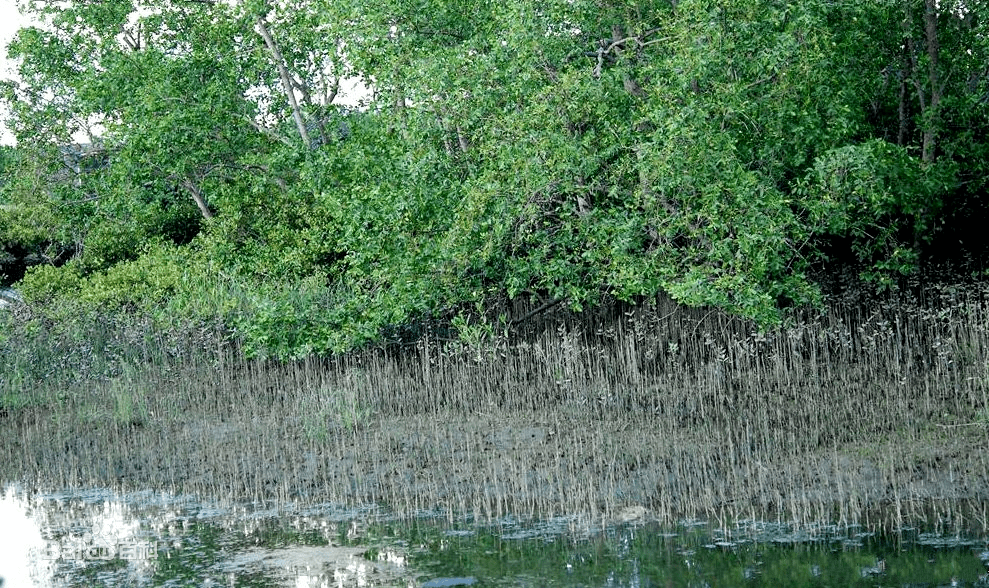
{"points": [[867, 414], [486, 466]]}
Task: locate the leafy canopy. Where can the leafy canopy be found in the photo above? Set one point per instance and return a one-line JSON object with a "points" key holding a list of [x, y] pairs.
{"points": [[558, 151]]}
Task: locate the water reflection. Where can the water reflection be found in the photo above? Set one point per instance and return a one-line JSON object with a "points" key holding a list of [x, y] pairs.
{"points": [[97, 538], [50, 537], [21, 542]]}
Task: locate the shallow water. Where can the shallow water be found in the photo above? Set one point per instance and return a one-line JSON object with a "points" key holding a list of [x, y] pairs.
{"points": [[100, 538]]}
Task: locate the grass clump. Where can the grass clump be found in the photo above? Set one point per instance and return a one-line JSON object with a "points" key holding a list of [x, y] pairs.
{"points": [[327, 409]]}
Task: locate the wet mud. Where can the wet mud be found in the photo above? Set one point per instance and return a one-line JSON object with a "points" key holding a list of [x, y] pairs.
{"points": [[869, 415], [487, 466]]}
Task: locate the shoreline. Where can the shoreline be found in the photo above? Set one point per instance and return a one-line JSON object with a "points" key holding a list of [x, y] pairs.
{"points": [[490, 466], [876, 414]]}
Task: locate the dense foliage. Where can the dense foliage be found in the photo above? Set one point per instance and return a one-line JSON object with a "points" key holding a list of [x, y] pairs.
{"points": [[565, 151]]}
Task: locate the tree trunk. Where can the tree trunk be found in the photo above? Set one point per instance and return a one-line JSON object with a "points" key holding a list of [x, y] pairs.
{"points": [[197, 196], [276, 55], [928, 96], [902, 112], [931, 122]]}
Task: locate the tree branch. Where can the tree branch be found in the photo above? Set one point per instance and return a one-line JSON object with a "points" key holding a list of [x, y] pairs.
{"points": [[616, 45], [268, 132], [536, 311], [286, 80], [197, 196]]}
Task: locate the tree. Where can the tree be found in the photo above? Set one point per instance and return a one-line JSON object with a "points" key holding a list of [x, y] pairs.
{"points": [[566, 152]]}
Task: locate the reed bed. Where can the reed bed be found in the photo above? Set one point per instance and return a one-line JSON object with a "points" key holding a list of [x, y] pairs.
{"points": [[872, 412]]}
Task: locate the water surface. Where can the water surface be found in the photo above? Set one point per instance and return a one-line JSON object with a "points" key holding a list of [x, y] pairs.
{"points": [[101, 538]]}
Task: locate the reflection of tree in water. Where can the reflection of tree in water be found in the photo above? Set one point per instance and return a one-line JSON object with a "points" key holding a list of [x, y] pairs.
{"points": [[276, 545], [90, 533]]}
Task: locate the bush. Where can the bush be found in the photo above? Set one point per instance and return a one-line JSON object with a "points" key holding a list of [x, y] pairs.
{"points": [[45, 284]]}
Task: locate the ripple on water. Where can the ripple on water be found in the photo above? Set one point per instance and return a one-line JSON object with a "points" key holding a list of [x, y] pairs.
{"points": [[283, 545]]}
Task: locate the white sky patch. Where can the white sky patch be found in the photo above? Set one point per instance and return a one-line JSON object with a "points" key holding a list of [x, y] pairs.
{"points": [[353, 91], [10, 21], [21, 543], [83, 532], [564, 29]]}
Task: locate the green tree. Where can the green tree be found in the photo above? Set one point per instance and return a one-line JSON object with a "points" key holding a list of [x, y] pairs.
{"points": [[561, 151]]}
